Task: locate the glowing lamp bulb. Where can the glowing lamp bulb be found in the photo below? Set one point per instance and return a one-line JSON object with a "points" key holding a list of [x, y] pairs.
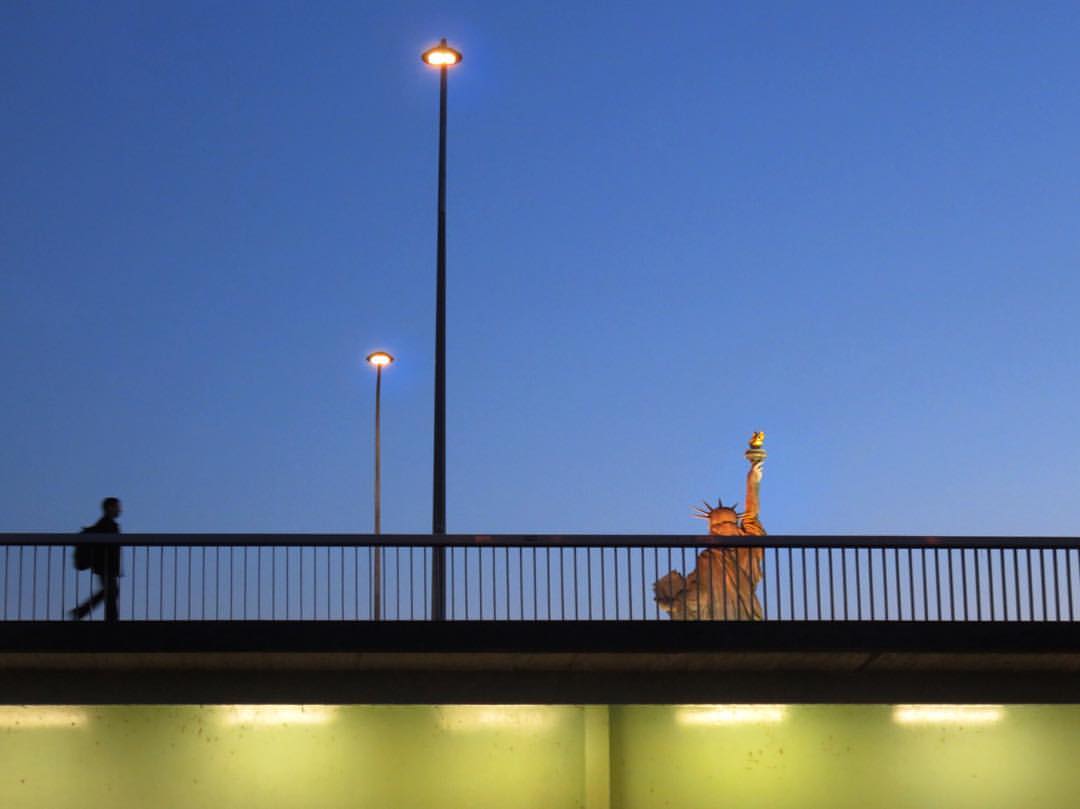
{"points": [[442, 55], [379, 358]]}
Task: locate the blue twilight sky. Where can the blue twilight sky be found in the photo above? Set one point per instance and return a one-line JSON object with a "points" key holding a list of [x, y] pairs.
{"points": [[853, 225]]}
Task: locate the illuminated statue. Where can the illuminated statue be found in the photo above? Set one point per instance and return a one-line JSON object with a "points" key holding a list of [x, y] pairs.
{"points": [[722, 585]]}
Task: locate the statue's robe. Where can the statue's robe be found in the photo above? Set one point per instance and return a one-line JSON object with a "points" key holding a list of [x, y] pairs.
{"points": [[721, 587]]}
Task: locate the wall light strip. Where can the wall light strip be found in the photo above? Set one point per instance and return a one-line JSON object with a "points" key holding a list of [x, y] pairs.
{"points": [[947, 714], [730, 714], [42, 716], [476, 717], [278, 714]]}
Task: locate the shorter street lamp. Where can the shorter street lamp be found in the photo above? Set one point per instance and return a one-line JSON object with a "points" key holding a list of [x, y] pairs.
{"points": [[380, 359]]}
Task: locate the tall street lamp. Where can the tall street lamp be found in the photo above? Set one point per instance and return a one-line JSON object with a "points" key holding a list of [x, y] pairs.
{"points": [[380, 359], [443, 57]]}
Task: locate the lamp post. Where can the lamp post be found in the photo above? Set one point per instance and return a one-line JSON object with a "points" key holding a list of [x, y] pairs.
{"points": [[443, 57], [380, 359]]}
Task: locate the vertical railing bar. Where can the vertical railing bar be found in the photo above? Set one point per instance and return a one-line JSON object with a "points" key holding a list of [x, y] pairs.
{"points": [[547, 564], [562, 582], [858, 587], [521, 583], [1057, 586], [242, 582], [911, 582], [791, 584], [925, 592], [669, 563], [480, 579], [978, 587], [64, 580], [766, 600], [1004, 589], [230, 552], [1042, 580], [739, 606], [466, 567], [643, 591], [779, 591], [831, 555], [48, 580], [506, 579], [832, 584], [963, 579], [1068, 581], [938, 597], [707, 554], [133, 565], [7, 570], [899, 589], [742, 607], [884, 583], [1016, 577], [873, 589], [574, 567], [721, 554], [536, 599], [698, 582], [615, 586], [817, 581], [603, 585], [188, 558], [33, 580], [273, 583], [1031, 589], [655, 554], [452, 553], [19, 586], [805, 601], [682, 567], [952, 584], [1003, 566]]}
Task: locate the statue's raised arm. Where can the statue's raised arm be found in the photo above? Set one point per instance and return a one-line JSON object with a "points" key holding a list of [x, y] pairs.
{"points": [[751, 522]]}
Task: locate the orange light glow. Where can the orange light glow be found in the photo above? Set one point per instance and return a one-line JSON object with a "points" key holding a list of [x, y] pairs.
{"points": [[379, 358], [442, 55]]}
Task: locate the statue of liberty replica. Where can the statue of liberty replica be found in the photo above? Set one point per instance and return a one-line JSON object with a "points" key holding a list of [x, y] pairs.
{"points": [[721, 586]]}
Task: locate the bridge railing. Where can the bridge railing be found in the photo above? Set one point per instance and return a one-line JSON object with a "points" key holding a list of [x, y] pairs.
{"points": [[329, 577]]}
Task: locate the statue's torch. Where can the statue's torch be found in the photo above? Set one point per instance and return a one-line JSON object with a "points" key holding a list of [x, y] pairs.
{"points": [[755, 454]]}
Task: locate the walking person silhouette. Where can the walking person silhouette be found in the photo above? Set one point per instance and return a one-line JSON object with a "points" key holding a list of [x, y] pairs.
{"points": [[104, 560]]}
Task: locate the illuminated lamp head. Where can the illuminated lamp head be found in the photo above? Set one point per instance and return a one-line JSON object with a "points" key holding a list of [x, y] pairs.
{"points": [[442, 55]]}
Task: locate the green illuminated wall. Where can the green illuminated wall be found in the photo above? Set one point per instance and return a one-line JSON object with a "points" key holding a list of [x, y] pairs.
{"points": [[629, 757]]}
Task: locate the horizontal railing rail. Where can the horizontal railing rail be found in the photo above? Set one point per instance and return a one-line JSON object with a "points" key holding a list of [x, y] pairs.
{"points": [[620, 577]]}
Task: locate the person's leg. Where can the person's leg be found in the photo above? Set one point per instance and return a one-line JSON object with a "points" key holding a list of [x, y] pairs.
{"points": [[111, 593], [87, 606]]}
